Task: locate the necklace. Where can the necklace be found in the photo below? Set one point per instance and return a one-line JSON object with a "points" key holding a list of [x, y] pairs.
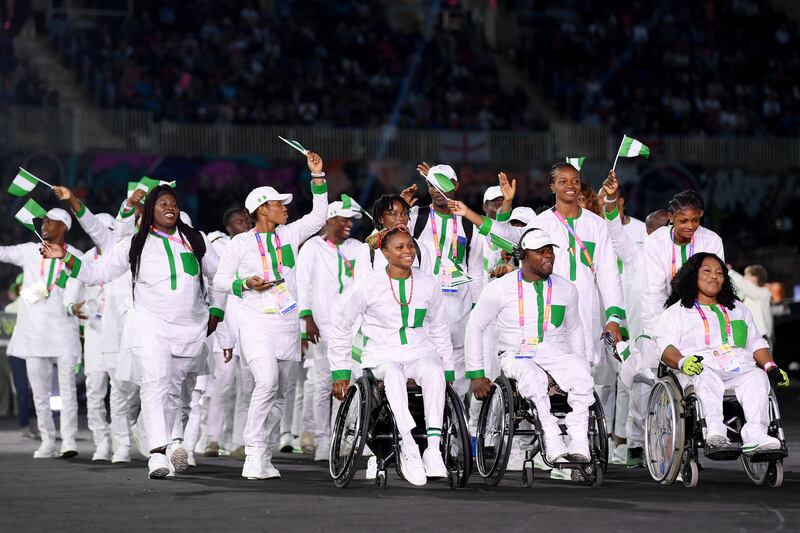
{"points": [[410, 293]]}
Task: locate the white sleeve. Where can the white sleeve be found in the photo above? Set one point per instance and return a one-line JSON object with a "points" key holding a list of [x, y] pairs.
{"points": [[668, 331], [348, 310], [608, 278], [572, 324], [14, 254], [362, 269], [306, 260], [655, 293], [311, 223], [425, 263], [502, 229], [73, 293], [226, 278], [102, 237], [475, 266], [486, 310], [226, 337], [745, 288], [718, 248], [216, 298], [624, 247], [439, 330], [110, 266], [755, 339]]}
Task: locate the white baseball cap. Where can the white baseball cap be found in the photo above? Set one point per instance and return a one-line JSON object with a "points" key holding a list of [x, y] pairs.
{"points": [[522, 214], [107, 220], [492, 193], [62, 216], [536, 238], [337, 209], [261, 195]]}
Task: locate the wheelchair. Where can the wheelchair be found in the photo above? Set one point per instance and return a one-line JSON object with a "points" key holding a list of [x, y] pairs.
{"points": [[499, 422], [675, 431], [365, 419]]}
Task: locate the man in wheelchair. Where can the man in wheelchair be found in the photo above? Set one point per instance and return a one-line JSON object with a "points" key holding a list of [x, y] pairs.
{"points": [[539, 333], [406, 336], [709, 337]]}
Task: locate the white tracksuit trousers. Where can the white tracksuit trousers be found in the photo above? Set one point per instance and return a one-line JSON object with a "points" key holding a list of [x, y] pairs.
{"points": [[40, 375], [221, 391], [96, 389], [271, 379]]}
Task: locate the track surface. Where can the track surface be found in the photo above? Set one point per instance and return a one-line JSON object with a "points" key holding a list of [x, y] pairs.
{"points": [[77, 495]]}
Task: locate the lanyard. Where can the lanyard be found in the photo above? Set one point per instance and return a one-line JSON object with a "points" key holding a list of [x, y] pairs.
{"points": [[674, 255], [521, 306], [279, 254], [578, 240], [171, 238], [347, 264], [439, 245], [51, 277], [707, 328]]}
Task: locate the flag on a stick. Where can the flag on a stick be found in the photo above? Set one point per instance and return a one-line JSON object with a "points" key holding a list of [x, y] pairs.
{"points": [[576, 162], [630, 147], [24, 183], [294, 144], [440, 181], [28, 212]]}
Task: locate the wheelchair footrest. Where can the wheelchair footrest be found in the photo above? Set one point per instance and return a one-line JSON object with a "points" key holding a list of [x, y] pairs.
{"points": [[723, 453], [769, 456]]}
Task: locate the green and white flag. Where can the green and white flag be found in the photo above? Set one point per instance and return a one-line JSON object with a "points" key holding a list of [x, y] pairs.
{"points": [[294, 144], [29, 211], [132, 186], [576, 162], [171, 184], [499, 242], [349, 203], [23, 183], [440, 181], [630, 147], [147, 184]]}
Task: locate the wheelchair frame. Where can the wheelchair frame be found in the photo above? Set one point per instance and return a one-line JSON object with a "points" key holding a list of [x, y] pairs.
{"points": [[372, 424], [671, 446], [516, 410]]}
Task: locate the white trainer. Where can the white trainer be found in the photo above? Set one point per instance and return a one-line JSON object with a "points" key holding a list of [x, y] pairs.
{"points": [[434, 464], [285, 444], [322, 451], [103, 452], [716, 440], [46, 450], [179, 457], [270, 471], [766, 444], [620, 455], [121, 455], [554, 446], [68, 449], [254, 468], [411, 463], [307, 443], [578, 450], [516, 459], [190, 459], [159, 466], [372, 468]]}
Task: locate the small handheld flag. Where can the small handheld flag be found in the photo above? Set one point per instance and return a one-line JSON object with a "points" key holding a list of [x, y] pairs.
{"points": [[440, 181], [349, 203], [24, 183], [294, 144], [630, 147], [576, 162], [28, 212]]}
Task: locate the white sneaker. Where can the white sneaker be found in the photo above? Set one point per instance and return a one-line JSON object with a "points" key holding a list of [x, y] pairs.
{"points": [[578, 450], [554, 446], [212, 450], [46, 450], [560, 474], [323, 450], [620, 455], [254, 468], [103, 452], [122, 455], [516, 459], [411, 464], [766, 444], [285, 444], [716, 440], [372, 468], [270, 471], [434, 464], [159, 466], [179, 457], [190, 459], [539, 464], [68, 449], [307, 443]]}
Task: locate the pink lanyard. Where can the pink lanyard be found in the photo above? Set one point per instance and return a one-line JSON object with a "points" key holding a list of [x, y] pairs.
{"points": [[521, 305], [264, 255], [171, 238], [578, 240], [674, 256], [55, 278], [707, 328], [453, 244], [347, 264]]}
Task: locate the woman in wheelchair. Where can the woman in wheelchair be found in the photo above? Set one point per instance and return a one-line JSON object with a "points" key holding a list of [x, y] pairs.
{"points": [[539, 333], [709, 336], [406, 337]]}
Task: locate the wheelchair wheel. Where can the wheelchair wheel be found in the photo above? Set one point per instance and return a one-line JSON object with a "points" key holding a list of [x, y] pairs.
{"points": [[775, 474], [456, 442], [757, 472], [495, 432], [664, 431], [350, 433], [599, 437], [691, 474]]}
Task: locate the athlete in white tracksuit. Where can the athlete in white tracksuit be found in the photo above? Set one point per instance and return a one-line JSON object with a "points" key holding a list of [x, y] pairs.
{"points": [[404, 321], [325, 269], [269, 329], [538, 334], [46, 296], [166, 327]]}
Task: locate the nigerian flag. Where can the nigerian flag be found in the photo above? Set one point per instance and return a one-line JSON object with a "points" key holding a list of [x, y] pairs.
{"points": [[576, 162], [29, 211], [630, 147], [23, 183], [499, 242], [440, 181], [294, 144]]}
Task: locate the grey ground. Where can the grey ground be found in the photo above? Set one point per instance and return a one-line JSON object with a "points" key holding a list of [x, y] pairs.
{"points": [[77, 495]]}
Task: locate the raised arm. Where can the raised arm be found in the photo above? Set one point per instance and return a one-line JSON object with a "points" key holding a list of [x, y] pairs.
{"points": [[311, 223], [111, 266]]}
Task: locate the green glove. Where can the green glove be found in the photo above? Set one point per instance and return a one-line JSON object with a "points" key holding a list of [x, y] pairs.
{"points": [[778, 377], [692, 365]]}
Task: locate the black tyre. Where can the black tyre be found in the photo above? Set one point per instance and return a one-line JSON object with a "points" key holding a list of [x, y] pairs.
{"points": [[495, 432], [350, 433]]}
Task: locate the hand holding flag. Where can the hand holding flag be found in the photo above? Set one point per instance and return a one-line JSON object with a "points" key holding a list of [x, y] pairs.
{"points": [[294, 144]]}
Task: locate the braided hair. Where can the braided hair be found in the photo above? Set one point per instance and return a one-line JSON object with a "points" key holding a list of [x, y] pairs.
{"points": [[186, 232], [384, 203], [684, 285], [688, 199], [551, 174], [383, 236]]}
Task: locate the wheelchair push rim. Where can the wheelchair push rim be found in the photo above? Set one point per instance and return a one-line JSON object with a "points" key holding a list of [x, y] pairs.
{"points": [[664, 432], [495, 432], [456, 442], [349, 434]]}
